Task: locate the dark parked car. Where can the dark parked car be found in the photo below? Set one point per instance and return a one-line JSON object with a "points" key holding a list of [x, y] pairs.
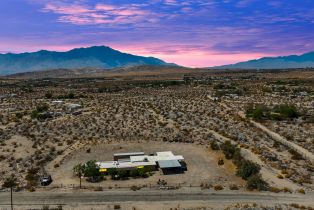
{"points": [[45, 180]]}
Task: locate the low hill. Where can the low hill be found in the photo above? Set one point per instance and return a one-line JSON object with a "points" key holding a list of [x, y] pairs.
{"points": [[127, 72]]}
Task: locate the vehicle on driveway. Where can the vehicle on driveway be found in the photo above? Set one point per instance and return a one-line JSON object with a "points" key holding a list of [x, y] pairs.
{"points": [[45, 180]]}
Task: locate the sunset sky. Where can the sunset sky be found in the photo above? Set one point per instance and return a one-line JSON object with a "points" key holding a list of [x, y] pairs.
{"points": [[194, 33]]}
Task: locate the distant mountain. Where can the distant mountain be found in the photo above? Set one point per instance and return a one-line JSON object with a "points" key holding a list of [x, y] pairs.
{"points": [[282, 62], [93, 57]]}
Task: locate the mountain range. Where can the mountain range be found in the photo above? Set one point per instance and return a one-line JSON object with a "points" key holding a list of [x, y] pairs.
{"points": [[105, 58], [99, 57], [283, 62]]}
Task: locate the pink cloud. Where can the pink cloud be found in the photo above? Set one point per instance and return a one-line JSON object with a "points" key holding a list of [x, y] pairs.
{"points": [[66, 9], [80, 14]]}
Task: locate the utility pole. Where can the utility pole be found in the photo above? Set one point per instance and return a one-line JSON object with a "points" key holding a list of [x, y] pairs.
{"points": [[78, 169], [80, 174], [11, 198]]}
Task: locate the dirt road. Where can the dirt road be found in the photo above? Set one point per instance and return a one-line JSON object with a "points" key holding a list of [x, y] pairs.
{"points": [[98, 198]]}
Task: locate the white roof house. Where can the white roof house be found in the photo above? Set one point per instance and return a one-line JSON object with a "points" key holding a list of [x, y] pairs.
{"points": [[141, 160]]}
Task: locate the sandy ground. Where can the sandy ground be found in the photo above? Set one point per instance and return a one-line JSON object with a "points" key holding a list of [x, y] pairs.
{"points": [[201, 161]]}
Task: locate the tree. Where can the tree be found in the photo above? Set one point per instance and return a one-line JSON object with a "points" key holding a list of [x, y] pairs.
{"points": [[71, 95], [79, 170], [247, 168], [10, 182], [228, 149], [113, 172], [91, 169], [257, 114], [214, 145], [48, 95], [256, 182], [237, 157], [287, 111]]}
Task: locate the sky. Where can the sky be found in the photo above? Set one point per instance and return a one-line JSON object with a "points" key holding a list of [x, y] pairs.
{"points": [[195, 33]]}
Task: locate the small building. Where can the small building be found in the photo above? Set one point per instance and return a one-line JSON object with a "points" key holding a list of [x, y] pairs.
{"points": [[170, 167], [73, 107]]}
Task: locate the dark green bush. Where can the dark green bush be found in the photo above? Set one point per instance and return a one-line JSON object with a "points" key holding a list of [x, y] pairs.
{"points": [[247, 168], [228, 149], [256, 182], [214, 145]]}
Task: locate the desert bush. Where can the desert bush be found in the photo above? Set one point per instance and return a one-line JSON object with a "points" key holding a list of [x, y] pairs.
{"points": [[287, 190], [135, 188], [32, 178], [221, 162], [233, 187], [205, 186], [247, 169], [214, 145], [218, 187], [228, 149], [256, 182], [99, 188], [274, 189], [279, 176], [302, 191], [116, 206]]}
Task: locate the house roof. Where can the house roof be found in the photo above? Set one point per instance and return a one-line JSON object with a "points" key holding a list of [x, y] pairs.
{"points": [[128, 154], [122, 164], [169, 164], [159, 156]]}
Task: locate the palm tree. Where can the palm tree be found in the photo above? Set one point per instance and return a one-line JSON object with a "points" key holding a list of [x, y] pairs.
{"points": [[10, 182], [78, 170]]}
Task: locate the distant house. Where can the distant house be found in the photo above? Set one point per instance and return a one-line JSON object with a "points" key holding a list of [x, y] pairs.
{"points": [[166, 161], [57, 102], [73, 107]]}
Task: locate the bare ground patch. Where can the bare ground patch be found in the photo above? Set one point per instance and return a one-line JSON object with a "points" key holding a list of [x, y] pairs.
{"points": [[201, 161]]}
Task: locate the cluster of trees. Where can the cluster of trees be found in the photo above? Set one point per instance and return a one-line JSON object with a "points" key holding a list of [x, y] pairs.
{"points": [[89, 169], [278, 112], [32, 178], [124, 174], [246, 169], [92, 171], [70, 95], [41, 112], [224, 89]]}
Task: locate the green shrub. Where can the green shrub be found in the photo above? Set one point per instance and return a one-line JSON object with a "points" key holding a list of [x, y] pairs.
{"points": [[247, 168], [228, 149], [214, 145], [237, 157], [90, 169], [256, 182], [287, 111]]}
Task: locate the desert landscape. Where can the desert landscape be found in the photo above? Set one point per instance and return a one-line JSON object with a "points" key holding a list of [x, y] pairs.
{"points": [[212, 118]]}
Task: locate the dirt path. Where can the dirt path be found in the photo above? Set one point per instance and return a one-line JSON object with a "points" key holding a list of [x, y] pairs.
{"points": [[305, 153]]}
